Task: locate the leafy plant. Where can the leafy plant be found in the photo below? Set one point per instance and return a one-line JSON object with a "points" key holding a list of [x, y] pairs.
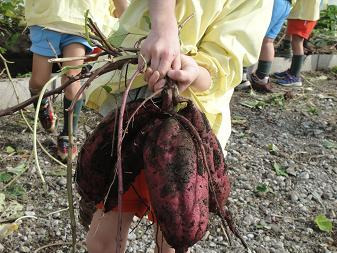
{"points": [[15, 191], [328, 20], [328, 144], [5, 177], [334, 70], [313, 110], [326, 29], [323, 223], [9, 150], [279, 170], [278, 100], [263, 188], [11, 23], [254, 104], [273, 149]]}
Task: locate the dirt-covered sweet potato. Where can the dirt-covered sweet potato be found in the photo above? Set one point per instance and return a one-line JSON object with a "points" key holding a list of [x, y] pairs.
{"points": [[96, 162], [178, 183], [220, 188]]}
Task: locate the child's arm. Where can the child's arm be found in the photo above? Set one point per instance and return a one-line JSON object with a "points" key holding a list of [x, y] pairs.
{"points": [[190, 75], [120, 7], [161, 47]]}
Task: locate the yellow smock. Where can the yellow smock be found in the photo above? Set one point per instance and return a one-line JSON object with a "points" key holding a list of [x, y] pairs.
{"points": [[306, 10], [222, 37], [68, 16]]}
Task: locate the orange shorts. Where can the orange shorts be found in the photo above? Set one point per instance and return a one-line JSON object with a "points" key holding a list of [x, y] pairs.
{"points": [[136, 200], [302, 28], [96, 50]]}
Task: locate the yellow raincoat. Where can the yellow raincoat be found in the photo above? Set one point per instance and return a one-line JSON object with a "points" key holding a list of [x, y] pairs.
{"points": [[306, 10], [223, 36], [68, 16]]}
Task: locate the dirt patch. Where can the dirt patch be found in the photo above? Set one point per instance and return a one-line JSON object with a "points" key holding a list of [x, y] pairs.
{"points": [[282, 159]]}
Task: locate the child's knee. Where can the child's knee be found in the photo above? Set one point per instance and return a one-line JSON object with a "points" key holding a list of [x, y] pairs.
{"points": [[36, 83]]}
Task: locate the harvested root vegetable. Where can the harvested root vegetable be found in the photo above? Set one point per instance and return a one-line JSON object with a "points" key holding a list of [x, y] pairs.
{"points": [[215, 157], [95, 166], [178, 183], [182, 160]]}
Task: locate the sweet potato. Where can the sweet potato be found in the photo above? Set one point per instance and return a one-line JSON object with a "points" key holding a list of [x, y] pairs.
{"points": [[95, 166], [177, 182], [183, 162], [220, 188]]}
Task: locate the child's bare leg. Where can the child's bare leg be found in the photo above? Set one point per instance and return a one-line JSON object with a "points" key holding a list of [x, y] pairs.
{"points": [[40, 73], [297, 45], [267, 50], [73, 50], [161, 245], [103, 232]]}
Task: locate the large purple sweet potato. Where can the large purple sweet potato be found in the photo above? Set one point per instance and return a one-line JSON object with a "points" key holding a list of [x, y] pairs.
{"points": [[178, 183], [219, 189]]}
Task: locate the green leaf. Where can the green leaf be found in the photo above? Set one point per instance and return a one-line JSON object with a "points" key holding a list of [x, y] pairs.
{"points": [[5, 177], [323, 223], [15, 191], [9, 150], [279, 170], [9, 13], [273, 149], [262, 188], [18, 169], [313, 110], [329, 144], [257, 104]]}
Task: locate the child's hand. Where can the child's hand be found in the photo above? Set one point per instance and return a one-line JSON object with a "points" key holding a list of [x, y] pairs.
{"points": [[188, 73], [162, 50], [185, 76]]}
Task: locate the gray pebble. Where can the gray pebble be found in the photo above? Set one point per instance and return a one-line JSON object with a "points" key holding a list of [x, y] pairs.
{"points": [[304, 175], [62, 181], [132, 236], [206, 235], [212, 244], [294, 196], [266, 238], [261, 250], [30, 213], [250, 236], [275, 228]]}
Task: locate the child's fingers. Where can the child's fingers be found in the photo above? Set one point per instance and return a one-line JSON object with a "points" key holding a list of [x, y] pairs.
{"points": [[148, 74], [159, 85], [178, 75], [176, 64], [164, 65], [153, 78]]}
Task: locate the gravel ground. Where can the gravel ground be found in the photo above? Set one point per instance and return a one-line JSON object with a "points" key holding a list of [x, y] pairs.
{"points": [[282, 159]]}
